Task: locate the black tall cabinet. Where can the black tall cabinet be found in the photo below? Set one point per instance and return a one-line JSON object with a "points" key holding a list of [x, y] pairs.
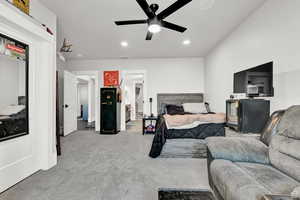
{"points": [[110, 111]]}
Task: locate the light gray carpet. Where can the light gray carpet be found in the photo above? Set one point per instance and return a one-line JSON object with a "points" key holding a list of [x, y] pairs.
{"points": [[135, 126], [101, 167]]}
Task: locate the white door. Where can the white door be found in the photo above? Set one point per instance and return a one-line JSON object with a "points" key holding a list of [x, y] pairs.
{"points": [[70, 103]]}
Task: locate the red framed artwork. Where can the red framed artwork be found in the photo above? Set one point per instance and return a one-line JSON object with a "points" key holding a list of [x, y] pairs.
{"points": [[111, 78]]}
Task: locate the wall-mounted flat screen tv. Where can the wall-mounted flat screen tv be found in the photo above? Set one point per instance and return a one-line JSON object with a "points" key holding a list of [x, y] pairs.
{"points": [[13, 88], [255, 82]]}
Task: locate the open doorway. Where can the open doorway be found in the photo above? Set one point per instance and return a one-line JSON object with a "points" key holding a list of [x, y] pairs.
{"points": [[79, 102], [134, 95], [86, 102], [139, 100]]}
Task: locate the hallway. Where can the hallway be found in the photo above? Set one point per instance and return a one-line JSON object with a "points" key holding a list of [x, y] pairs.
{"points": [[103, 167]]}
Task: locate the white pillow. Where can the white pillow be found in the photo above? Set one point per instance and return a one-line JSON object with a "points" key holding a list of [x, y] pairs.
{"points": [[11, 110], [194, 107]]}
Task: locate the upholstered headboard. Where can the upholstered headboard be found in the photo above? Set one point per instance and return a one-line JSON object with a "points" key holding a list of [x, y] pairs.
{"points": [[177, 99]]}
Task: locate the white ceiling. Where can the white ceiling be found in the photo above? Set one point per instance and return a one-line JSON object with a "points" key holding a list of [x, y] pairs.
{"points": [[89, 25]]}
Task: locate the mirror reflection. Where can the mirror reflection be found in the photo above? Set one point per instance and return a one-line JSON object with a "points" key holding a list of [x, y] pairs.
{"points": [[13, 88]]}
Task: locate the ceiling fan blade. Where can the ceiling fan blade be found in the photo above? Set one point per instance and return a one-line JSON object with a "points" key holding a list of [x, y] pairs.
{"points": [[173, 8], [130, 22], [145, 6], [173, 27], [149, 35]]}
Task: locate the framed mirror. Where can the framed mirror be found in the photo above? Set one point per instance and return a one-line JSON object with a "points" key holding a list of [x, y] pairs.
{"points": [[14, 64]]}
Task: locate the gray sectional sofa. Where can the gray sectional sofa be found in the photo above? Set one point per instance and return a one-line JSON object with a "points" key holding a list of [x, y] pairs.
{"points": [[247, 168]]}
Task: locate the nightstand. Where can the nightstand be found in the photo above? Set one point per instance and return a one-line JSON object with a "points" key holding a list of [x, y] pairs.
{"points": [[147, 122]]}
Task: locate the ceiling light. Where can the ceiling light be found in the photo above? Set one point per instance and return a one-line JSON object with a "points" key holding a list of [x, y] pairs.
{"points": [[79, 55], [154, 28], [124, 44], [186, 42]]}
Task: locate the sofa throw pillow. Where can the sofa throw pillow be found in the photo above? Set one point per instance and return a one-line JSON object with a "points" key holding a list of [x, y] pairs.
{"points": [[174, 109], [195, 108]]}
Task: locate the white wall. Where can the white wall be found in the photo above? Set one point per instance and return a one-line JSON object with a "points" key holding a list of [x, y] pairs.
{"points": [[43, 15], [182, 75], [9, 81], [163, 75], [269, 34], [83, 94]]}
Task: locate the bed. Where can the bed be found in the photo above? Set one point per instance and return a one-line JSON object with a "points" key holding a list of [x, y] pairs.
{"points": [[188, 141], [13, 121]]}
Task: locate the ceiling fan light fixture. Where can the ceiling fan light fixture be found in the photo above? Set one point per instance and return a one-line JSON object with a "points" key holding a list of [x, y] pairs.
{"points": [[124, 44], [154, 28], [186, 42], [157, 21]]}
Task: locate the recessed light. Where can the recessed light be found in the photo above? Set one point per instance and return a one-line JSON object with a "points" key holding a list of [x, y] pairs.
{"points": [[186, 42], [79, 55], [124, 44]]}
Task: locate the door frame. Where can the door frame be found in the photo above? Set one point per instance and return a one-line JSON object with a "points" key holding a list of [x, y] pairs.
{"points": [[97, 76], [58, 143], [145, 96]]}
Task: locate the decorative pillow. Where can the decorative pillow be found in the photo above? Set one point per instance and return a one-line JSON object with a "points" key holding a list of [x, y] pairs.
{"points": [[174, 110], [194, 107]]}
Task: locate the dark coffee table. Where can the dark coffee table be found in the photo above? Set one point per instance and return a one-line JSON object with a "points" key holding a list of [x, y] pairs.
{"points": [[184, 194]]}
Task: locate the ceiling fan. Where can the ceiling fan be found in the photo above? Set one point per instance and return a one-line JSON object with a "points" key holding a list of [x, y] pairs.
{"points": [[156, 21]]}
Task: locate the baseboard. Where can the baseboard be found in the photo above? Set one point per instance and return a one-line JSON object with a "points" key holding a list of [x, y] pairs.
{"points": [[15, 172]]}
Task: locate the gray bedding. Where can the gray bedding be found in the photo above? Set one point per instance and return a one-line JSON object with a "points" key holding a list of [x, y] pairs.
{"points": [[162, 135]]}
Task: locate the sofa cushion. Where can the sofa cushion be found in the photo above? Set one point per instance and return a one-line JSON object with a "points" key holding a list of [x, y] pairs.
{"points": [[234, 183], [286, 164], [270, 178], [284, 152], [238, 149], [289, 125]]}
